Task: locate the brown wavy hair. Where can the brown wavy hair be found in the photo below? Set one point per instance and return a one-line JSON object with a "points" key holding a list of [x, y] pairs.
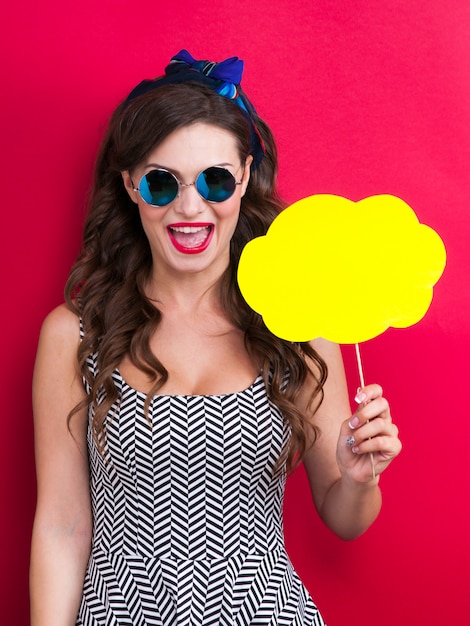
{"points": [[106, 285]]}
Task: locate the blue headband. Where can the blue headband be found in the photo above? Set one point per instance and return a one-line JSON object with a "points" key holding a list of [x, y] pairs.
{"points": [[224, 78]]}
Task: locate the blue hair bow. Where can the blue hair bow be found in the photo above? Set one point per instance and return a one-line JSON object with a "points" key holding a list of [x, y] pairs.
{"points": [[224, 78], [229, 72]]}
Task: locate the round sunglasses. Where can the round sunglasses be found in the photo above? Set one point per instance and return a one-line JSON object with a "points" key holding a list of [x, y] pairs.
{"points": [[160, 187]]}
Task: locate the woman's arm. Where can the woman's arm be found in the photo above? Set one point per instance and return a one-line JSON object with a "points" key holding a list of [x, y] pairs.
{"points": [[345, 494], [62, 525]]}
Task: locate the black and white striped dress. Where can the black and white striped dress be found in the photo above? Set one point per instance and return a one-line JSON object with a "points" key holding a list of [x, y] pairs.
{"points": [[188, 516]]}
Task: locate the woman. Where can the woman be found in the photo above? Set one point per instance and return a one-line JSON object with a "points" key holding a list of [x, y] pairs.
{"points": [[159, 387]]}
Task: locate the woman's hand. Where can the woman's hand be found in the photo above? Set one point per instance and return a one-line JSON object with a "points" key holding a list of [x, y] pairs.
{"points": [[368, 436]]}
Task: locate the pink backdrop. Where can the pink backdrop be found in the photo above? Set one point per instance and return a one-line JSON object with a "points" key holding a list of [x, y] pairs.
{"points": [[364, 98]]}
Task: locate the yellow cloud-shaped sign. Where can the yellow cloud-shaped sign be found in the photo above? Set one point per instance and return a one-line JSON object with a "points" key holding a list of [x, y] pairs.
{"points": [[345, 271]]}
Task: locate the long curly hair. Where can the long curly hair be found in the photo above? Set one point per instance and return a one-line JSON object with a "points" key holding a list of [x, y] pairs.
{"points": [[106, 285]]}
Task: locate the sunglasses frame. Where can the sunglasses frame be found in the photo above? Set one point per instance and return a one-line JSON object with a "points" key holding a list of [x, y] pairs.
{"points": [[181, 184]]}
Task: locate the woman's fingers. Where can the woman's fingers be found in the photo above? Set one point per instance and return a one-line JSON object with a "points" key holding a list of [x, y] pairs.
{"points": [[368, 393], [374, 427], [370, 430]]}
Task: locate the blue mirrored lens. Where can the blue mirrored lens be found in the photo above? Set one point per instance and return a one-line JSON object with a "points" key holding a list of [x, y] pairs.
{"points": [[158, 187], [215, 184]]}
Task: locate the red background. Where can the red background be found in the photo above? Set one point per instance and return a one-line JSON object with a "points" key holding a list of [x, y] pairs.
{"points": [[364, 98]]}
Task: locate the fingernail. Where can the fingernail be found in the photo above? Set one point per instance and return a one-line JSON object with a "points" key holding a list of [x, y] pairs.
{"points": [[355, 449], [353, 422], [360, 397], [350, 441]]}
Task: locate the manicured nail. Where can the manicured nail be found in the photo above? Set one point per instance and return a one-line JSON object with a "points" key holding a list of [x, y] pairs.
{"points": [[353, 422], [355, 449], [360, 397], [350, 441]]}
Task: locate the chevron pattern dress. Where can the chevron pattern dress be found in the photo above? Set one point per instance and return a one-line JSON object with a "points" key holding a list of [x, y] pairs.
{"points": [[188, 515]]}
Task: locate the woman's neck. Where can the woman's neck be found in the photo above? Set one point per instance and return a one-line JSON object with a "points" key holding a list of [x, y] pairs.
{"points": [[184, 292]]}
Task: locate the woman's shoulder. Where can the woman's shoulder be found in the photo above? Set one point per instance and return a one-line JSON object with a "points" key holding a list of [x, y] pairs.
{"points": [[333, 372], [61, 325], [56, 367]]}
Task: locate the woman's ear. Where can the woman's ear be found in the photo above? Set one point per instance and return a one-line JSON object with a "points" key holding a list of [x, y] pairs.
{"points": [[129, 185], [246, 173]]}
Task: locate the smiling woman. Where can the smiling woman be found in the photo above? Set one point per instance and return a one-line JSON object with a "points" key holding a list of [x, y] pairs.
{"points": [[196, 218], [166, 414]]}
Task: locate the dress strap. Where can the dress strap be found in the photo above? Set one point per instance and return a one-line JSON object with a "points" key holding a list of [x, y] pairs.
{"points": [[285, 379], [82, 332], [91, 360]]}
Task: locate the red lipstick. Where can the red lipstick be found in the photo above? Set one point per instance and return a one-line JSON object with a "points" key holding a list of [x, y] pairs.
{"points": [[190, 237]]}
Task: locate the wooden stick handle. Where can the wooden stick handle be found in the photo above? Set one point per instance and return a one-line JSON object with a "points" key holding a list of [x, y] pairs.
{"points": [[361, 378]]}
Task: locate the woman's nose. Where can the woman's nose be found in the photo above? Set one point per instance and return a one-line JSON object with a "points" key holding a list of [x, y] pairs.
{"points": [[188, 201]]}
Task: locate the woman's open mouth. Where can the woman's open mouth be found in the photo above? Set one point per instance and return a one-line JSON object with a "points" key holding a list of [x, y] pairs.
{"points": [[190, 238]]}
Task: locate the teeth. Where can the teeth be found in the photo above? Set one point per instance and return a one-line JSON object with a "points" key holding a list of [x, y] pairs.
{"points": [[188, 229]]}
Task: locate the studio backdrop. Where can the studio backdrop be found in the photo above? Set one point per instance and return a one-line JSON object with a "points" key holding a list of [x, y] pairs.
{"points": [[364, 98]]}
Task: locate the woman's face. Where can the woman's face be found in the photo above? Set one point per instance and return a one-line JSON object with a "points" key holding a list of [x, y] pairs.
{"points": [[191, 235]]}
